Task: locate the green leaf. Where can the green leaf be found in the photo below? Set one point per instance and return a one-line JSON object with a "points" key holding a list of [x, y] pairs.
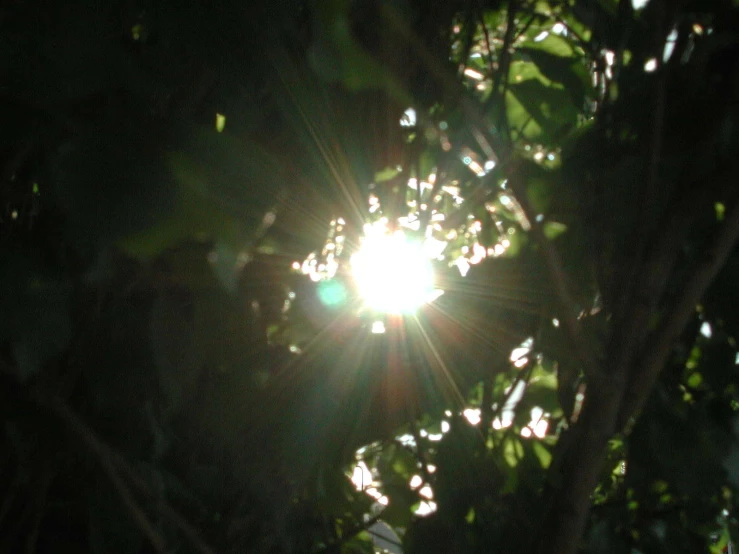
{"points": [[398, 512], [695, 380], [552, 229], [387, 174], [720, 211], [225, 187], [542, 453], [548, 106], [220, 122], [720, 545], [572, 74], [553, 45], [512, 451], [337, 55], [361, 544]]}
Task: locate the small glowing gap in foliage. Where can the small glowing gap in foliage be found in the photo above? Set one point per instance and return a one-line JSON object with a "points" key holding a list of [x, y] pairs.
{"points": [[472, 74], [651, 65], [434, 437], [473, 415], [363, 481], [669, 45], [506, 417], [409, 118], [324, 265], [440, 237], [538, 425], [393, 274], [519, 355], [407, 440], [378, 328], [425, 508]]}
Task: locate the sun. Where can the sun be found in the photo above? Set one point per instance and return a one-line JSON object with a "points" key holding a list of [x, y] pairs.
{"points": [[393, 274]]}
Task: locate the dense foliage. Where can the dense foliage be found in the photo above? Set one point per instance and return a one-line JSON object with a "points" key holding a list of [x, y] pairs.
{"points": [[186, 364]]}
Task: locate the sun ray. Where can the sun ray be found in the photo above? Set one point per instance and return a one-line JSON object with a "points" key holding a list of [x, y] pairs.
{"points": [[440, 364], [459, 325], [316, 122]]}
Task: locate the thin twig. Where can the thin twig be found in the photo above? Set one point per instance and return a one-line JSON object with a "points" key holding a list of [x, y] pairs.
{"points": [[112, 464], [486, 404], [166, 510], [571, 31], [486, 34], [501, 77], [350, 534], [85, 434], [522, 377]]}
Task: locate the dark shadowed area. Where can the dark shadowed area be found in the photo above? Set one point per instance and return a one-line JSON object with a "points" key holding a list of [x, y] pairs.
{"points": [[364, 276]]}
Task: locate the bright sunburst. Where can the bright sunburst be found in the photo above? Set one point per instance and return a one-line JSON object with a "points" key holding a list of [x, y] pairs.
{"points": [[393, 274]]}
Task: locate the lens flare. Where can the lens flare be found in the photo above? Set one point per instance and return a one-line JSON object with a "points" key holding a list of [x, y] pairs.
{"points": [[392, 273]]}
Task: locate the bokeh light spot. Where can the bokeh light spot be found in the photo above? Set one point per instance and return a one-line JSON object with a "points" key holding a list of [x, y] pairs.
{"points": [[331, 293]]}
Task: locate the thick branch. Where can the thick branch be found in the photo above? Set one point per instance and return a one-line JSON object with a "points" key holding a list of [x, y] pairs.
{"points": [[639, 307], [645, 376], [559, 280], [614, 399], [577, 475]]}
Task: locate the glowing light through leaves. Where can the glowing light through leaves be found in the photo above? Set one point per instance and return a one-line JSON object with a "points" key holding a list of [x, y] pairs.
{"points": [[393, 274]]}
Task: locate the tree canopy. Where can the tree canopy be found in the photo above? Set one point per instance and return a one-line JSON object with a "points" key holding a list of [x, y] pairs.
{"points": [[189, 357]]}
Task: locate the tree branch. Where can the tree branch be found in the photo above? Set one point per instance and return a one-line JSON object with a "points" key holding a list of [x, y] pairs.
{"points": [[559, 280], [350, 534], [647, 372], [643, 229], [614, 398], [114, 465], [500, 83], [576, 476], [633, 316], [100, 450]]}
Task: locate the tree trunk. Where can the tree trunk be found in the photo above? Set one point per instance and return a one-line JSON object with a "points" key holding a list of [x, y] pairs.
{"points": [[576, 474]]}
